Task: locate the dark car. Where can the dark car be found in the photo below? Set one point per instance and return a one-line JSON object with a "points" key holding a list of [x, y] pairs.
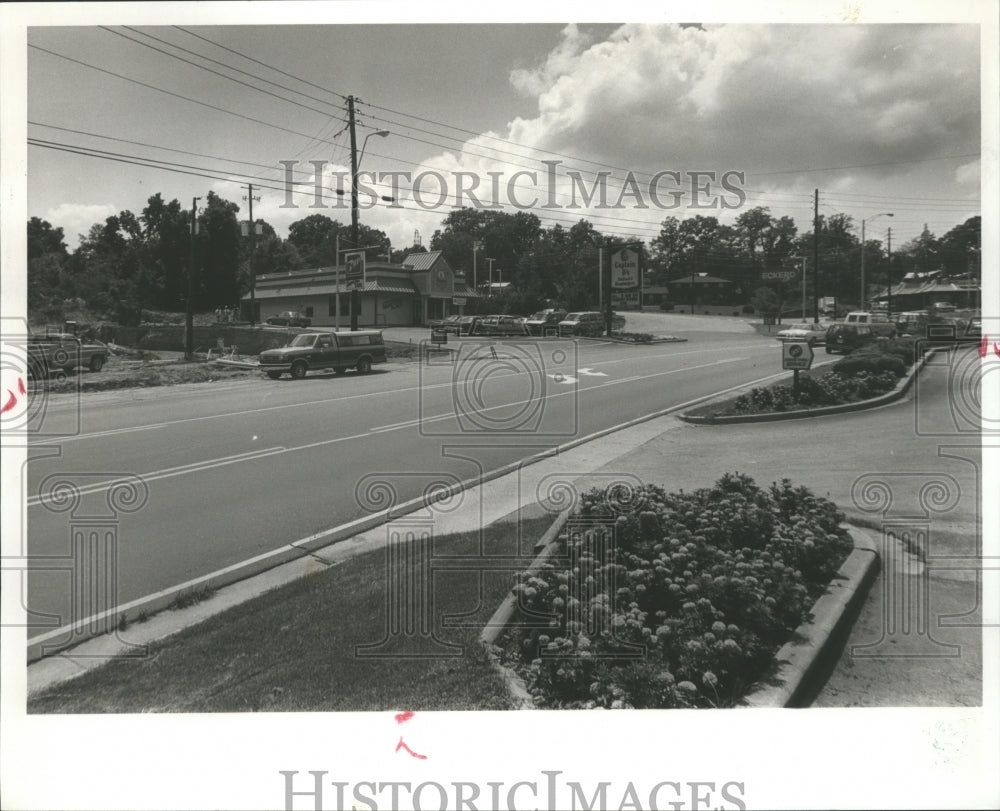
{"points": [[848, 337], [452, 324], [544, 320], [289, 319]]}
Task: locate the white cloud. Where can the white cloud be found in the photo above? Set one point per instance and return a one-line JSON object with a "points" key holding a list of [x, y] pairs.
{"points": [[76, 219]]}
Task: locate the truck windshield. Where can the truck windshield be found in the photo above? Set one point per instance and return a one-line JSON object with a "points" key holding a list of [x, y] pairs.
{"points": [[303, 340]]}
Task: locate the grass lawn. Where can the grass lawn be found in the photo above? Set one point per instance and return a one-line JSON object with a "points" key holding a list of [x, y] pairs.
{"points": [[293, 649]]}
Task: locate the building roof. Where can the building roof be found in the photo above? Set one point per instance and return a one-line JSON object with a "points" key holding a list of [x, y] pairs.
{"points": [[699, 278], [329, 288], [422, 261]]}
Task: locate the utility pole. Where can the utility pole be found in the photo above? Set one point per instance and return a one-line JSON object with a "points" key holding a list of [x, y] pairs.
{"points": [[490, 260], [815, 260], [888, 290], [253, 254], [355, 240], [189, 307], [475, 250]]}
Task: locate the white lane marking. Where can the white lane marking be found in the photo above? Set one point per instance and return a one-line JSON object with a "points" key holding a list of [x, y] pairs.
{"points": [[264, 409], [588, 372], [198, 467], [166, 473], [564, 379]]}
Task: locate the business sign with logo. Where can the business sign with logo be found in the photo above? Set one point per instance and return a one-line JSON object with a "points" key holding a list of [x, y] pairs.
{"points": [[354, 274], [458, 301], [624, 269], [796, 355], [785, 275]]}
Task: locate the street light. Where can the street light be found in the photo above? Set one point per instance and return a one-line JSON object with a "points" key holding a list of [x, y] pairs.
{"points": [[379, 133], [867, 219]]}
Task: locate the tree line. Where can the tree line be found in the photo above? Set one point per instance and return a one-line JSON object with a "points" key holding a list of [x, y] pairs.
{"points": [[132, 262]]}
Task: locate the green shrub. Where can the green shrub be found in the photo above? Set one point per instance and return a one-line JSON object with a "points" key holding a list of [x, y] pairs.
{"points": [[870, 362], [904, 348], [680, 600]]}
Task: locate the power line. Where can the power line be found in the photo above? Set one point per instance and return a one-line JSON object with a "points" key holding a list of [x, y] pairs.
{"points": [[215, 72], [170, 92]]}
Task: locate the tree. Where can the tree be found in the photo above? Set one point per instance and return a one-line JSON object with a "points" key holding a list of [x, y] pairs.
{"points": [[47, 260], [218, 260], [166, 233]]}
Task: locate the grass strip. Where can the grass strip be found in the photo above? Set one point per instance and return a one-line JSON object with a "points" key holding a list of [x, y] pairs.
{"points": [[294, 648]]}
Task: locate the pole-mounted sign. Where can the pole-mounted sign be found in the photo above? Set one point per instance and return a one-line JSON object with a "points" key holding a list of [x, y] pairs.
{"points": [[626, 279], [354, 271], [796, 355]]}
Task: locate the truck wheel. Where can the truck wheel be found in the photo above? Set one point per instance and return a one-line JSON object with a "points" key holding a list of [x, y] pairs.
{"points": [[364, 366], [96, 363], [273, 375], [299, 369]]}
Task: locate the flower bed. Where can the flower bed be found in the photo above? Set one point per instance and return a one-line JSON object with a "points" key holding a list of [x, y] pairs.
{"points": [[634, 337], [865, 373], [683, 604]]}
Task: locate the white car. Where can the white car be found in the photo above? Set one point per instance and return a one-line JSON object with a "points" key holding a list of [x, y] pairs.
{"points": [[813, 334]]}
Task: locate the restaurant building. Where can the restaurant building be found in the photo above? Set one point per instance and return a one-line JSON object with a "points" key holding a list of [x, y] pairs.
{"points": [[423, 287]]}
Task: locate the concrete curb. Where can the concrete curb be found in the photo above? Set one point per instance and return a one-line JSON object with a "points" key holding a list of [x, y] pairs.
{"points": [[501, 618], [802, 659], [902, 386]]}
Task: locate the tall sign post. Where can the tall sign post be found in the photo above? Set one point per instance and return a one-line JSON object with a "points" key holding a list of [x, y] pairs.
{"points": [[626, 282], [354, 281]]}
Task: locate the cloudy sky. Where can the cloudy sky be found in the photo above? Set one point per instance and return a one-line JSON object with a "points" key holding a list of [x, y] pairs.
{"points": [[879, 118]]}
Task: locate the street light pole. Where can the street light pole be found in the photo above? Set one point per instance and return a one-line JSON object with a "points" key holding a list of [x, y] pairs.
{"points": [[868, 219]]}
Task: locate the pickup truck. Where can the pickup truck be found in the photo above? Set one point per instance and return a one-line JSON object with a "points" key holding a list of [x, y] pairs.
{"points": [[325, 350], [63, 351], [880, 324]]}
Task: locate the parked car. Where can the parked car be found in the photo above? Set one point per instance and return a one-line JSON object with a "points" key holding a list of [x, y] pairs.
{"points": [[63, 351], [544, 319], [944, 306], [812, 333], [501, 325], [450, 324], [848, 337], [325, 350], [589, 324], [289, 319]]}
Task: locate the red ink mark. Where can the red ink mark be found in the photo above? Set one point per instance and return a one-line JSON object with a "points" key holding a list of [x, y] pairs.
{"points": [[402, 745], [404, 716], [996, 350], [984, 347], [20, 386], [10, 402]]}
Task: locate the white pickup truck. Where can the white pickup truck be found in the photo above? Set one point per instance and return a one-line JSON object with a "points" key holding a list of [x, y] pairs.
{"points": [[879, 322]]}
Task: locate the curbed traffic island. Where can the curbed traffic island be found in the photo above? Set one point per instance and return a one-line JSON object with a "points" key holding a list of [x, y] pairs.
{"points": [[681, 600], [876, 375]]}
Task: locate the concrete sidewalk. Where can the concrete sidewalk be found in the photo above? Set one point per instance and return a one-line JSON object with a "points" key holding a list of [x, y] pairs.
{"points": [[898, 654]]}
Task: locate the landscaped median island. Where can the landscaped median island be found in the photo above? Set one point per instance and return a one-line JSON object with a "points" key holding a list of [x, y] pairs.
{"points": [[681, 601], [868, 372]]}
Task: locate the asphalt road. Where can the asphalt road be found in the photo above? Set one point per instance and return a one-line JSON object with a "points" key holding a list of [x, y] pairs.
{"points": [[224, 473]]}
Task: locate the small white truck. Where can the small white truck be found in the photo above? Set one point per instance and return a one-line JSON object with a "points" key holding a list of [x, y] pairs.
{"points": [[879, 322]]}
